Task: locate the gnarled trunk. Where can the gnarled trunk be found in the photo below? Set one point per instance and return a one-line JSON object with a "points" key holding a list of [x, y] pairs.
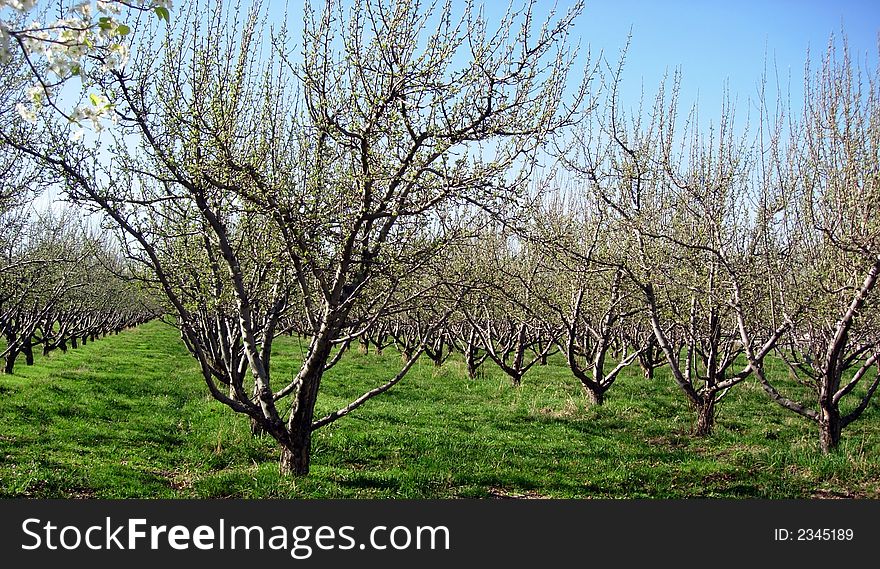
{"points": [[471, 364], [596, 396], [705, 416], [9, 366], [296, 454], [829, 426], [296, 451], [28, 351], [297, 447]]}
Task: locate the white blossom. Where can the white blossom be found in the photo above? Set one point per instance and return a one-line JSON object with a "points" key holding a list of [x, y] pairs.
{"points": [[65, 44], [20, 6], [26, 112]]}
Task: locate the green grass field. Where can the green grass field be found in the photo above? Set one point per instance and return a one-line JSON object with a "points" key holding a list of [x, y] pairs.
{"points": [[128, 416]]}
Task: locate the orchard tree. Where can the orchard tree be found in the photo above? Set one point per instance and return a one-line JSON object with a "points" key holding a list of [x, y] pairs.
{"points": [[43, 267], [22, 263], [592, 328], [679, 204], [826, 234], [583, 288], [355, 158], [504, 312]]}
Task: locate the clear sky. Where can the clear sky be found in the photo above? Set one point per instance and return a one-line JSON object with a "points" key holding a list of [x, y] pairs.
{"points": [[714, 41]]}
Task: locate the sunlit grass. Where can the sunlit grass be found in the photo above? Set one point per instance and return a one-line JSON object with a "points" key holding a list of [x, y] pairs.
{"points": [[129, 416]]}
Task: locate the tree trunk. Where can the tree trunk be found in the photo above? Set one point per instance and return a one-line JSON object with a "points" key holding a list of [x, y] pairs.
{"points": [[10, 362], [28, 351], [471, 364], [257, 428], [596, 396], [705, 416], [646, 362], [73, 342], [520, 350], [648, 359], [297, 447], [286, 466], [829, 427], [296, 454], [471, 355], [438, 358]]}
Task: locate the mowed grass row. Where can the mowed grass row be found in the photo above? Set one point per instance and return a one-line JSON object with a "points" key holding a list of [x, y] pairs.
{"points": [[128, 416]]}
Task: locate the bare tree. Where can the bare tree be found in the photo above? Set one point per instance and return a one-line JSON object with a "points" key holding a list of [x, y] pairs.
{"points": [[53, 289], [679, 204], [826, 235], [322, 182]]}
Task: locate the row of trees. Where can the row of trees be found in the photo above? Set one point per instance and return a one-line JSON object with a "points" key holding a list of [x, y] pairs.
{"points": [[373, 187], [707, 252], [60, 286]]}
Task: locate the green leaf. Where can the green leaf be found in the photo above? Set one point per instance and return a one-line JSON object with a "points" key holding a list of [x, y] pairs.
{"points": [[123, 30], [162, 13], [94, 98]]}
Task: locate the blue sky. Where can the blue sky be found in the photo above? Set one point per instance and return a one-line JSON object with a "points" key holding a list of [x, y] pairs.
{"points": [[714, 42]]}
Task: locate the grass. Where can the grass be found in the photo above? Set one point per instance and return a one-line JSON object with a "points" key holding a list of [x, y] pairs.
{"points": [[128, 416]]}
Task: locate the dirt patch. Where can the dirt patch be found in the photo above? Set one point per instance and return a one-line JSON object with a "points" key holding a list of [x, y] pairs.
{"points": [[568, 411], [82, 494], [502, 494], [177, 480], [720, 478], [836, 495]]}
